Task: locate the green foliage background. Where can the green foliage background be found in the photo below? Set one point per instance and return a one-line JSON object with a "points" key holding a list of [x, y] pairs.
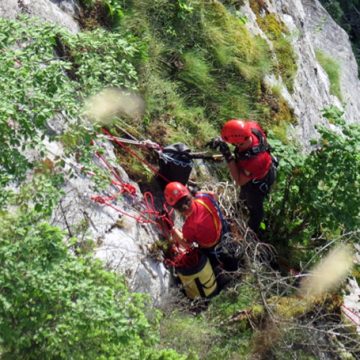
{"points": [[37, 85], [63, 306], [317, 195]]}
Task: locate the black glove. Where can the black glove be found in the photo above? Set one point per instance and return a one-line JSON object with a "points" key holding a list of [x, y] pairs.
{"points": [[214, 143], [225, 150], [218, 143]]}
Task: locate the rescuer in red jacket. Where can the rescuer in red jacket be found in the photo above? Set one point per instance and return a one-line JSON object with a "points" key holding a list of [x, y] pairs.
{"points": [[204, 223], [251, 165]]}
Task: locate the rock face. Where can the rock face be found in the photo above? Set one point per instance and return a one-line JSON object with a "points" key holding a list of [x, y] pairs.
{"points": [[329, 37], [43, 9], [312, 29], [351, 305], [111, 229]]}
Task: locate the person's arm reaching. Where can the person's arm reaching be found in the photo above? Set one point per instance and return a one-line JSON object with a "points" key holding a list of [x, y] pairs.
{"points": [[240, 176], [177, 236]]}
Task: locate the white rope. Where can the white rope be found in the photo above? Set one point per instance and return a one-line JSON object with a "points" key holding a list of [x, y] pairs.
{"points": [[168, 159]]}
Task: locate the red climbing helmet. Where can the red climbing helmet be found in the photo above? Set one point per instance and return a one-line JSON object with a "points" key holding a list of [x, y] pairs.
{"points": [[174, 191], [235, 131]]}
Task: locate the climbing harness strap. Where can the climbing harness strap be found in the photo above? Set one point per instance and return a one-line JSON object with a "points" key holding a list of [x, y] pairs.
{"points": [[263, 146], [218, 250], [225, 226], [265, 183], [216, 224]]}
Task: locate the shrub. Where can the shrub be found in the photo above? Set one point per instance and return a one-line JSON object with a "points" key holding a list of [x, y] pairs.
{"points": [[54, 305], [37, 85], [317, 195], [62, 306]]}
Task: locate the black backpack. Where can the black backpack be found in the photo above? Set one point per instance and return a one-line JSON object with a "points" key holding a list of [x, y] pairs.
{"points": [[175, 164]]}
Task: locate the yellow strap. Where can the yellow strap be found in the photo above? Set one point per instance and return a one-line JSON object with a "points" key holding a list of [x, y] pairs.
{"points": [[216, 224]]}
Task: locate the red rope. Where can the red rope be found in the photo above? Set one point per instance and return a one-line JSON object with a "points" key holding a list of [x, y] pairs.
{"points": [[183, 258], [150, 209], [163, 220], [109, 167], [356, 322], [128, 188], [121, 186], [126, 148], [104, 201], [118, 183], [124, 187]]}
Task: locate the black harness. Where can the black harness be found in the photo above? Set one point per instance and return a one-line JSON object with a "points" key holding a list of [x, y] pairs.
{"points": [[263, 146], [262, 184]]}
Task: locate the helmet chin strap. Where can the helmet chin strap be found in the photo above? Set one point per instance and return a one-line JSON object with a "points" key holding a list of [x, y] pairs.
{"points": [[189, 211], [246, 144]]}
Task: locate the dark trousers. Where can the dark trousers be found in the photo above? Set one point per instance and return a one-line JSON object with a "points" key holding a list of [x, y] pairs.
{"points": [[254, 194]]}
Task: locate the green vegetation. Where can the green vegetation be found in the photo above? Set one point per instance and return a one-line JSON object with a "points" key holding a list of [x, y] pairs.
{"points": [[60, 304], [57, 305], [317, 196], [332, 68], [279, 35], [214, 333], [232, 44], [63, 305], [203, 67], [38, 86]]}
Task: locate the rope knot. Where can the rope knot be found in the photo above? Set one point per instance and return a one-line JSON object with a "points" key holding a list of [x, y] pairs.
{"points": [[98, 199], [126, 187]]}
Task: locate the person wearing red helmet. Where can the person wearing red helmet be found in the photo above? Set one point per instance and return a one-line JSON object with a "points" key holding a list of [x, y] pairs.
{"points": [[251, 165], [204, 223]]}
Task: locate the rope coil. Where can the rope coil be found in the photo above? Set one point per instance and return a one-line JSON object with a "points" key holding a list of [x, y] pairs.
{"points": [[183, 258], [149, 215]]}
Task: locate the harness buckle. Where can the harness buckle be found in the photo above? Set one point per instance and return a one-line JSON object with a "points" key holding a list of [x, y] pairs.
{"points": [[264, 187]]}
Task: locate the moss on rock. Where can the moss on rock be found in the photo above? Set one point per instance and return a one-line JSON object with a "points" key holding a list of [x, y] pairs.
{"points": [[278, 33], [332, 69]]}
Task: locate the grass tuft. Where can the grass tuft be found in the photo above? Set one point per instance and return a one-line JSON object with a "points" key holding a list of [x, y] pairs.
{"points": [[332, 69], [233, 45], [196, 71]]}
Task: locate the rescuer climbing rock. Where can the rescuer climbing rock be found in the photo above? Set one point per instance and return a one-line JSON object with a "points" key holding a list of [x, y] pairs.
{"points": [[251, 165]]}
